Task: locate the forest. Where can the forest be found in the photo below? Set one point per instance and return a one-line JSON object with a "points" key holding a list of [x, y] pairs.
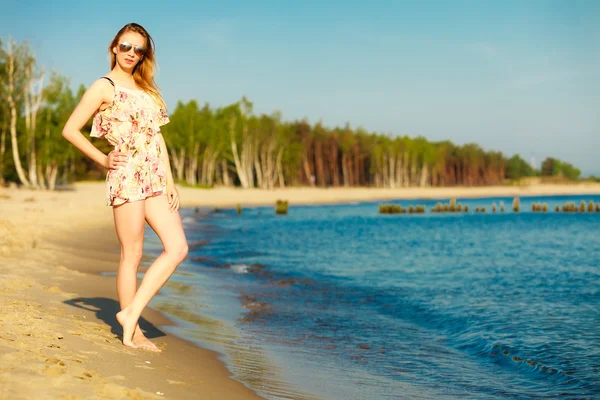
{"points": [[232, 146]]}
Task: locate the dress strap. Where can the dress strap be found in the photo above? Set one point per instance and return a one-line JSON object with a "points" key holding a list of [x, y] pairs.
{"points": [[110, 80]]}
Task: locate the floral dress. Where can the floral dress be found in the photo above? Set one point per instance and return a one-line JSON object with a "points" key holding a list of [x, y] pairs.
{"points": [[132, 125]]}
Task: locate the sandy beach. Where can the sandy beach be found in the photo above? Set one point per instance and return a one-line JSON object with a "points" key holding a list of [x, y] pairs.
{"points": [[58, 333]]}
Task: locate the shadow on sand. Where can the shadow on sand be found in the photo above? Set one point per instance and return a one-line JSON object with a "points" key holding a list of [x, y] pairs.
{"points": [[106, 310]]}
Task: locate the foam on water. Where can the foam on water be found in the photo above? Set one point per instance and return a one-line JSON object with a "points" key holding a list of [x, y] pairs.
{"points": [[240, 268]]}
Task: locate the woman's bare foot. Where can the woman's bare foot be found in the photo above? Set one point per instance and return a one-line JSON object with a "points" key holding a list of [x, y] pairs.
{"points": [[128, 324], [143, 342], [146, 344]]}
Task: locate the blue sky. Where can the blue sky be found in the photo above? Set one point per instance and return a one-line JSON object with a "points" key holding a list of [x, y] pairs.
{"points": [[514, 76]]}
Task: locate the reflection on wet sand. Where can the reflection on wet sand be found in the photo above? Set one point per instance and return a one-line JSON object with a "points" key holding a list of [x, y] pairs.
{"points": [[246, 360]]}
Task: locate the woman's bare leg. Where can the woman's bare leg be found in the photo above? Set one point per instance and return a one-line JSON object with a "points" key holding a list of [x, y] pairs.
{"points": [[129, 225], [169, 229]]}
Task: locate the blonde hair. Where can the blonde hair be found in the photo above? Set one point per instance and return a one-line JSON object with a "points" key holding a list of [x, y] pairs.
{"points": [[143, 72]]}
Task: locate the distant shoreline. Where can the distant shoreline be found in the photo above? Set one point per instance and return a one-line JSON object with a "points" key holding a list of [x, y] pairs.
{"points": [[92, 192], [229, 197]]}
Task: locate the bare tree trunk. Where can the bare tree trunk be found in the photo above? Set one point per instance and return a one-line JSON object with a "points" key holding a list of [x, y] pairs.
{"points": [[27, 105], [210, 176], [48, 158], [350, 169], [51, 174], [320, 178], [384, 170], [267, 165], [274, 157], [248, 156], [40, 176], [399, 175], [225, 172], [236, 158], [244, 161], [424, 176], [406, 177], [258, 168], [178, 162], [413, 171], [308, 159], [280, 168], [357, 162], [10, 91], [271, 166], [335, 173], [44, 158], [192, 165], [307, 172], [3, 148], [392, 171], [204, 170], [269, 160], [345, 169], [33, 99], [209, 162]]}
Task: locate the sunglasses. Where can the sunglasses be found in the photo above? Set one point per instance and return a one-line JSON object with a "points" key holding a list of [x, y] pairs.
{"points": [[124, 47]]}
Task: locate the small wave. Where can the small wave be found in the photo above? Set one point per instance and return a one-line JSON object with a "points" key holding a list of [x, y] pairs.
{"points": [[505, 356], [188, 220], [240, 268]]}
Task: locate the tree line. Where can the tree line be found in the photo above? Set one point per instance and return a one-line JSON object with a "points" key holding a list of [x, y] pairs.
{"points": [[232, 146]]}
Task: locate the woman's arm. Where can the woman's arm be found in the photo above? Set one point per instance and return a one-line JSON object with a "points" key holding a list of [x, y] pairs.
{"points": [[100, 92], [172, 194], [165, 157]]}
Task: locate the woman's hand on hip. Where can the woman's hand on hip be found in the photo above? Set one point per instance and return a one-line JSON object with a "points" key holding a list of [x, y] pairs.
{"points": [[172, 197], [116, 159]]}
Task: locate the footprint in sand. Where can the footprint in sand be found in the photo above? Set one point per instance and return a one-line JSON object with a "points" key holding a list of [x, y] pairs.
{"points": [[88, 375], [56, 368], [55, 361], [53, 370], [52, 289]]}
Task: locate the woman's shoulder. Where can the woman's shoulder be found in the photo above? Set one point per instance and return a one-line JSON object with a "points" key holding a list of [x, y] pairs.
{"points": [[102, 87], [103, 82]]}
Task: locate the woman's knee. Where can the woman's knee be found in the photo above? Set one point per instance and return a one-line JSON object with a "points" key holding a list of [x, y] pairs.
{"points": [[178, 252], [131, 256]]}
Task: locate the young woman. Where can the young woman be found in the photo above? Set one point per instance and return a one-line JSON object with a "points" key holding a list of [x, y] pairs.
{"points": [[128, 111]]}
